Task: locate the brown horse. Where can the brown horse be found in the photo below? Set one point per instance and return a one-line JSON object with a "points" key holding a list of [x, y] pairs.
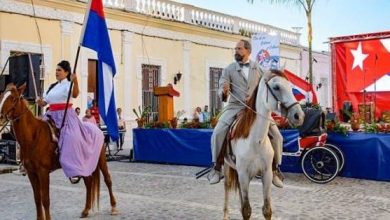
{"points": [[39, 157]]}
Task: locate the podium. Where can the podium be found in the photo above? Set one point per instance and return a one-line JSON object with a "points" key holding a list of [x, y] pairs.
{"points": [[165, 96]]}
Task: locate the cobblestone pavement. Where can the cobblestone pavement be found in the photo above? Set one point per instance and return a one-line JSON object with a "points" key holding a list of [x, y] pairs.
{"points": [[155, 191]]}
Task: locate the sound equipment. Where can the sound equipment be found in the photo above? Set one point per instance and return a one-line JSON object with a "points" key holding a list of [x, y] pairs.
{"points": [[19, 73], [9, 152]]}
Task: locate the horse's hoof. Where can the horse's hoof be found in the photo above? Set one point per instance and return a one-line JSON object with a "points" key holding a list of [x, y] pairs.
{"points": [[84, 214], [114, 211]]}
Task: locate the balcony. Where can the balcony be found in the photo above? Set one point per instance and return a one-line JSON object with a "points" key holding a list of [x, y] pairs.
{"points": [[174, 11]]}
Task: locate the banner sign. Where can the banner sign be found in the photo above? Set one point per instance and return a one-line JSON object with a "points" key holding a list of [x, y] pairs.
{"points": [[265, 50]]}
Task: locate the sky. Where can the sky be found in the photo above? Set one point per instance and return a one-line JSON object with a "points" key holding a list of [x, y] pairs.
{"points": [[330, 18]]}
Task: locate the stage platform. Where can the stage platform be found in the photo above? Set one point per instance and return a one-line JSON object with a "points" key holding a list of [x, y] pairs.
{"points": [[367, 156]]}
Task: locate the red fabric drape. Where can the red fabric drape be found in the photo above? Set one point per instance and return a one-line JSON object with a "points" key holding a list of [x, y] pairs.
{"points": [[351, 79]]}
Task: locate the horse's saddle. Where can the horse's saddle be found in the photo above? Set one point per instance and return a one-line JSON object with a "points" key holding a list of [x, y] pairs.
{"points": [[227, 152], [54, 131]]}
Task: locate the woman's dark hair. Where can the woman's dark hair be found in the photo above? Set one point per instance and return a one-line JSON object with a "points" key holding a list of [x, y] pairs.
{"points": [[65, 65]]}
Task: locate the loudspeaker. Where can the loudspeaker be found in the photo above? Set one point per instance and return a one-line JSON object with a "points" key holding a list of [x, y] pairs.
{"points": [[19, 73], [8, 151]]}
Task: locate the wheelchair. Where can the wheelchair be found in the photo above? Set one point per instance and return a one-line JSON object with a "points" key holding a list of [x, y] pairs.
{"points": [[320, 161]]}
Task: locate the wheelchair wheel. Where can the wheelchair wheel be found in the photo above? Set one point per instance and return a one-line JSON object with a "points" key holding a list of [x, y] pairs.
{"points": [[320, 164], [339, 154]]}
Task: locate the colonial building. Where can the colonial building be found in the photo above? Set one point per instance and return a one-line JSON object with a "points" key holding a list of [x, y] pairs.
{"points": [[152, 41]]}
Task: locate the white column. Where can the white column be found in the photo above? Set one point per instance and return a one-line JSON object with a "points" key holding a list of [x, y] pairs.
{"points": [[127, 90], [66, 40], [187, 77]]}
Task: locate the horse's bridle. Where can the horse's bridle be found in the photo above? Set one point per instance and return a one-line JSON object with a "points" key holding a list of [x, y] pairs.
{"points": [[287, 108], [7, 116]]}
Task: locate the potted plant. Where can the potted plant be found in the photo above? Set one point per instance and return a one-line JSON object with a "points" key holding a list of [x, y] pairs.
{"points": [[355, 124], [330, 125], [141, 115]]}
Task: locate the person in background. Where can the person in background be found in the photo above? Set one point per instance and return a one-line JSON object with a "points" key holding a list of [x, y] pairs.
{"points": [[88, 117], [77, 109], [122, 129], [198, 115], [95, 111], [206, 114]]}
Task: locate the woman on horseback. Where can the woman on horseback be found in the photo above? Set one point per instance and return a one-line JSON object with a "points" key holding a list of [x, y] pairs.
{"points": [[79, 142]]}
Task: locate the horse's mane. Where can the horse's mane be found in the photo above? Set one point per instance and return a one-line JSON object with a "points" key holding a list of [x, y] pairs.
{"points": [[246, 117], [279, 73]]}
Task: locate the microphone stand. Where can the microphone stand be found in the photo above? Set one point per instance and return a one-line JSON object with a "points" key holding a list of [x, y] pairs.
{"points": [[374, 109]]}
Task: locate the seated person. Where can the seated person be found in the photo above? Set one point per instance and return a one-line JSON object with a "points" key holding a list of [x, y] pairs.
{"points": [[88, 117]]}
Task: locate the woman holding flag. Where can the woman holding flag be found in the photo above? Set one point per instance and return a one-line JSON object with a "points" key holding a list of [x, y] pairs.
{"points": [[80, 143]]}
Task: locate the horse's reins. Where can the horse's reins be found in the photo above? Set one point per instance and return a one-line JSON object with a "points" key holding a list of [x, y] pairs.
{"points": [[12, 120], [275, 97], [7, 117]]}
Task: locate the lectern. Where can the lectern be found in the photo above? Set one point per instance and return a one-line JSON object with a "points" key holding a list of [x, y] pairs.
{"points": [[165, 96]]}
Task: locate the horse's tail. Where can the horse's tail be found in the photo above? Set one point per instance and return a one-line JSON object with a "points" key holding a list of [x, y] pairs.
{"points": [[95, 188], [231, 178]]}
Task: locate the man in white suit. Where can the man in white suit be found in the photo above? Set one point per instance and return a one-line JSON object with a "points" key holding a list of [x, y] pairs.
{"points": [[240, 79]]}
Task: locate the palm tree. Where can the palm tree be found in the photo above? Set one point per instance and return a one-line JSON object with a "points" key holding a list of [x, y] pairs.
{"points": [[308, 6]]}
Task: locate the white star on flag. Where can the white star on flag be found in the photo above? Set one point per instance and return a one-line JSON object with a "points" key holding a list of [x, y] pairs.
{"points": [[358, 57]]}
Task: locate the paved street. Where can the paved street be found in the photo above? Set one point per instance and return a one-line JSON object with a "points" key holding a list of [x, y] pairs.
{"points": [[155, 191]]}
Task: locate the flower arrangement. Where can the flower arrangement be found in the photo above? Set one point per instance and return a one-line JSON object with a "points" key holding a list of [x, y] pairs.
{"points": [[141, 115], [355, 123]]}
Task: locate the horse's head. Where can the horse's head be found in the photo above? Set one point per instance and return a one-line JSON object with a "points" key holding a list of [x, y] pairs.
{"points": [[10, 101], [280, 98]]}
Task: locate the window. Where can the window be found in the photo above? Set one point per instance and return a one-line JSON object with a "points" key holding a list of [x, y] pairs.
{"points": [[92, 77], [150, 78], [215, 102]]}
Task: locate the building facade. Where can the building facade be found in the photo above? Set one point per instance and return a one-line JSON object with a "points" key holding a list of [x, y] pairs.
{"points": [[152, 41]]}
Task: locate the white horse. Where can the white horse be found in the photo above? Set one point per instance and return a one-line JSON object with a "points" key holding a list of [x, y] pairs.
{"points": [[251, 147]]}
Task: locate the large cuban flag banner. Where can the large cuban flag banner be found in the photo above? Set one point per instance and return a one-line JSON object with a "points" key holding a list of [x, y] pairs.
{"points": [[361, 71], [95, 36]]}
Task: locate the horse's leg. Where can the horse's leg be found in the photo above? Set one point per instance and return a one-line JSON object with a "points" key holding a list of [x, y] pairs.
{"points": [[244, 180], [88, 200], [44, 178], [107, 179], [267, 182], [226, 186], [34, 180]]}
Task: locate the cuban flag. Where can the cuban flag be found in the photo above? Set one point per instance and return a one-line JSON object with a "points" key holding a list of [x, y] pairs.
{"points": [[95, 36], [302, 90], [380, 85]]}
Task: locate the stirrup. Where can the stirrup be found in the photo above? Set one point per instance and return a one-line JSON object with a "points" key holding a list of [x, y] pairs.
{"points": [[279, 173], [74, 179]]}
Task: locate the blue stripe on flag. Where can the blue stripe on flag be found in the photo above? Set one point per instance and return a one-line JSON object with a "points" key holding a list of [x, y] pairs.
{"points": [[96, 38]]}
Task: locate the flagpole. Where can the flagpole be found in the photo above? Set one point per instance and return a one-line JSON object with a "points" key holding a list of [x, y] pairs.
{"points": [[70, 87], [75, 62]]}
